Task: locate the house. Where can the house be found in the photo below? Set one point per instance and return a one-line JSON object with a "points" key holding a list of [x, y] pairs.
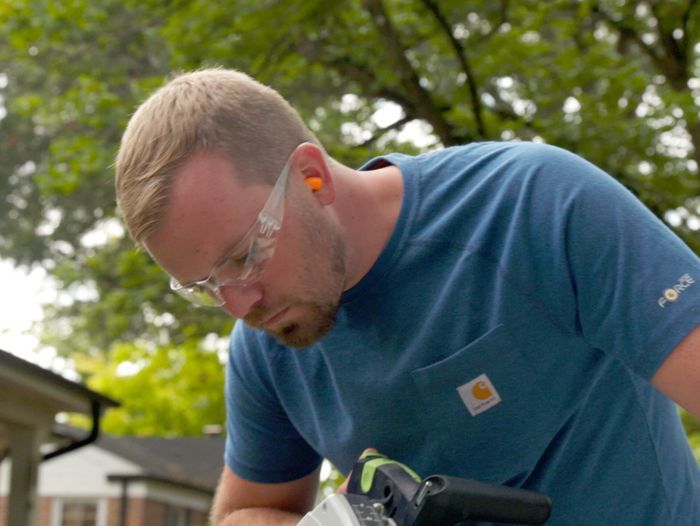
{"points": [[30, 399], [128, 481], [72, 477]]}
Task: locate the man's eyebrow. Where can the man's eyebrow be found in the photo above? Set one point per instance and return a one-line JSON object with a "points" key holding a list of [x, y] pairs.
{"points": [[238, 246]]}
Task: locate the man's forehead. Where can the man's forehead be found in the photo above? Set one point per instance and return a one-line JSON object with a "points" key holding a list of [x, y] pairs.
{"points": [[201, 168], [208, 210]]}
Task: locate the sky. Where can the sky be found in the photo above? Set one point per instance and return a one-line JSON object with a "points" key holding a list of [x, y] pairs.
{"points": [[23, 293]]}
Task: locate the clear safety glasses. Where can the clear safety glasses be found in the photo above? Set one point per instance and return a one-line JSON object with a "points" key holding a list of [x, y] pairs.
{"points": [[245, 262]]}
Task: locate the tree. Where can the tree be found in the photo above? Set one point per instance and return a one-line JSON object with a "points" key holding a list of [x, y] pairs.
{"points": [[615, 81], [72, 73], [163, 390]]}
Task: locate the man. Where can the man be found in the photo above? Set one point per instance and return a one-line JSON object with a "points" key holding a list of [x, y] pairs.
{"points": [[503, 312]]}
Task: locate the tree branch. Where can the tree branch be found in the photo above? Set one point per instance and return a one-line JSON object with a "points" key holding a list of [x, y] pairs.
{"points": [[685, 26], [676, 59], [316, 52], [666, 63], [422, 101], [506, 113], [365, 78], [461, 54], [504, 20], [381, 131], [627, 32]]}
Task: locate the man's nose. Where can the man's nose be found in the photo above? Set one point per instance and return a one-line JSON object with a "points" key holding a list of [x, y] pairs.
{"points": [[239, 300]]}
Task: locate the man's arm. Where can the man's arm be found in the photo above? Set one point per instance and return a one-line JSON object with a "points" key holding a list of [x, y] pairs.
{"points": [[679, 375], [241, 502]]}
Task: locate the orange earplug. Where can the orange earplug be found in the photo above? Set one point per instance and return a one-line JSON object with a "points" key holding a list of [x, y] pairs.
{"points": [[315, 183]]}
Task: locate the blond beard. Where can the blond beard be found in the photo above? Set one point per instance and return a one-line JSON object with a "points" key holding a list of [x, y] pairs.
{"points": [[318, 321], [320, 306]]}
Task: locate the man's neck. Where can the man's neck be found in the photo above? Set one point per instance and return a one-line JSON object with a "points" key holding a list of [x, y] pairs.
{"points": [[367, 205]]}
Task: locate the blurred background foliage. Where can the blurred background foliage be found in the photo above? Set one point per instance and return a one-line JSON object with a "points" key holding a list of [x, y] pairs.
{"points": [[615, 81]]}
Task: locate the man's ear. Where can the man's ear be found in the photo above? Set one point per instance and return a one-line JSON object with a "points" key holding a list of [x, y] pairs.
{"points": [[312, 164]]}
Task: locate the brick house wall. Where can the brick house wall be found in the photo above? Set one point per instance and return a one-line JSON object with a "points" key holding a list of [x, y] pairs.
{"points": [[199, 518], [153, 513], [113, 512], [44, 511], [145, 512], [140, 512]]}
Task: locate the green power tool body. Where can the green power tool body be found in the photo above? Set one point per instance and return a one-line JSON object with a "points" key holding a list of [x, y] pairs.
{"points": [[383, 492]]}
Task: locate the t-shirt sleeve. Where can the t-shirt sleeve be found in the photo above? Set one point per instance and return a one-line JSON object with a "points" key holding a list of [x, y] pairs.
{"points": [[262, 444], [635, 282]]}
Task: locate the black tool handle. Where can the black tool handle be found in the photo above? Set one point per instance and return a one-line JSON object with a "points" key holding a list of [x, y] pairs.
{"points": [[441, 500], [445, 501]]}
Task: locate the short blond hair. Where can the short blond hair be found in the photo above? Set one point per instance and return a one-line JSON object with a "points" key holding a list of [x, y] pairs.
{"points": [[208, 110]]}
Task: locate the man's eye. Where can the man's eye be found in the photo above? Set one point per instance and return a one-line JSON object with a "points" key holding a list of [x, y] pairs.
{"points": [[237, 261], [230, 267]]}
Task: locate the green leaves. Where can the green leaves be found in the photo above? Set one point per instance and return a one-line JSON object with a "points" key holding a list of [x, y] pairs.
{"points": [[164, 390], [615, 81]]}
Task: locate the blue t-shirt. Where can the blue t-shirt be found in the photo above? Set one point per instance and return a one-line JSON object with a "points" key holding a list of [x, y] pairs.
{"points": [[507, 333]]}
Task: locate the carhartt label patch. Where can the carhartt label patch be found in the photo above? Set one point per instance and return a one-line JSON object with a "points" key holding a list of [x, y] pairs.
{"points": [[479, 395]]}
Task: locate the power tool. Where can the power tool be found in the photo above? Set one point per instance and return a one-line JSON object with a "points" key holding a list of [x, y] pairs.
{"points": [[383, 492]]}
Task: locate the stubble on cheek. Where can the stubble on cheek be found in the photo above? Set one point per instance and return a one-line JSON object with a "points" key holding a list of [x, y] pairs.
{"points": [[322, 281]]}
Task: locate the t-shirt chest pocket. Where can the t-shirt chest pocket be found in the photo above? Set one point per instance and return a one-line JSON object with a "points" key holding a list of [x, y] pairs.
{"points": [[480, 403]]}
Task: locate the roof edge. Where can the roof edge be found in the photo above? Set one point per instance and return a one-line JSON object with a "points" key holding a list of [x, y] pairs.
{"points": [[146, 476], [20, 365]]}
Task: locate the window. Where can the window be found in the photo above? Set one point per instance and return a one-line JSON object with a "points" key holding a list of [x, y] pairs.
{"points": [[78, 513], [176, 516]]}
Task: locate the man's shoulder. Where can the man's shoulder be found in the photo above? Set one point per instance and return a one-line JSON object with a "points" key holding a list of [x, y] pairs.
{"points": [[485, 177], [491, 160], [523, 151]]}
